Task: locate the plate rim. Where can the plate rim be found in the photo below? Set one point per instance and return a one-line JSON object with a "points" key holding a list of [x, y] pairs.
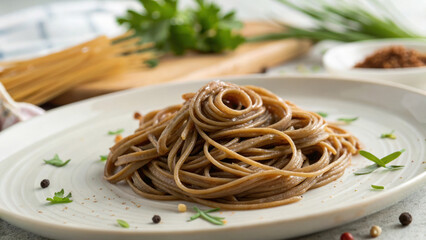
{"points": [[406, 187]]}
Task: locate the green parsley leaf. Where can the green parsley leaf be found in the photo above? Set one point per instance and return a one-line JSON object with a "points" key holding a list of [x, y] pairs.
{"points": [[203, 28], [377, 187], [103, 157], [123, 223], [59, 198], [379, 162], [56, 161], [388, 135], [323, 114], [206, 216], [119, 131], [347, 120]]}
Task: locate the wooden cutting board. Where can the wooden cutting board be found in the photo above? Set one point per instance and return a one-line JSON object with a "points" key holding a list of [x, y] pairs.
{"points": [[248, 58]]}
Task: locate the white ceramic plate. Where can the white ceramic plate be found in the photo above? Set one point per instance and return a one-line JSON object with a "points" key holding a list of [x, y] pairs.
{"points": [[79, 132], [340, 60]]}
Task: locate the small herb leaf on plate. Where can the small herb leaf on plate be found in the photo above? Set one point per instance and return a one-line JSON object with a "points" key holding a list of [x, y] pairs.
{"points": [[377, 187], [123, 223], [57, 162], [388, 135], [347, 120], [367, 170], [322, 114], [103, 157], [206, 216], [379, 162], [59, 198], [204, 28], [389, 158], [119, 131]]}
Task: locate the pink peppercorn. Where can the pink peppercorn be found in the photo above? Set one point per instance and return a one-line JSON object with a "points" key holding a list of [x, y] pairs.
{"points": [[346, 236]]}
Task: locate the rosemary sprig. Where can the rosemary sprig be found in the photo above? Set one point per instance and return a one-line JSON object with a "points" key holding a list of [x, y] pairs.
{"points": [[377, 187], [379, 162], [206, 216]]}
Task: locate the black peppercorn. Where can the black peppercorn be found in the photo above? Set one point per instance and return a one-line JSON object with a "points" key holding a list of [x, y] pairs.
{"points": [[156, 219], [44, 183], [405, 218]]}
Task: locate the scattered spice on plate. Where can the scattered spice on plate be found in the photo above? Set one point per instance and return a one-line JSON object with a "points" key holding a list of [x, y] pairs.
{"points": [[156, 219], [44, 183], [405, 218], [181, 207], [346, 236], [375, 231], [394, 57]]}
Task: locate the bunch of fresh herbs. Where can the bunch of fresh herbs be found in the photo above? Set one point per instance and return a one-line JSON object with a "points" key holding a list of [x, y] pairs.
{"points": [[345, 21], [203, 28]]}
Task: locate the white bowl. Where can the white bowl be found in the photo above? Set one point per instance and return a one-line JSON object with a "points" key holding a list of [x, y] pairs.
{"points": [[341, 60]]}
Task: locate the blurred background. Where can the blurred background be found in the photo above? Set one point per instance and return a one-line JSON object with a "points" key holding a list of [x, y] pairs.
{"points": [[55, 52], [31, 29]]}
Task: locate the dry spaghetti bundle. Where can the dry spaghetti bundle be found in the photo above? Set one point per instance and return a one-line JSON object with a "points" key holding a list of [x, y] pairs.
{"points": [[41, 79], [233, 147]]}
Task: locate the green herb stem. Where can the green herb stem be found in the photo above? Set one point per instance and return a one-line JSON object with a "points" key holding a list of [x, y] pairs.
{"points": [[388, 135], [377, 187], [206, 216], [379, 162], [343, 21], [347, 120], [59, 198], [204, 28]]}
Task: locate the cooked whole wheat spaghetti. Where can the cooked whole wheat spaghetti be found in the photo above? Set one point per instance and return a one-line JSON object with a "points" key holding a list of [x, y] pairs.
{"points": [[233, 147]]}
